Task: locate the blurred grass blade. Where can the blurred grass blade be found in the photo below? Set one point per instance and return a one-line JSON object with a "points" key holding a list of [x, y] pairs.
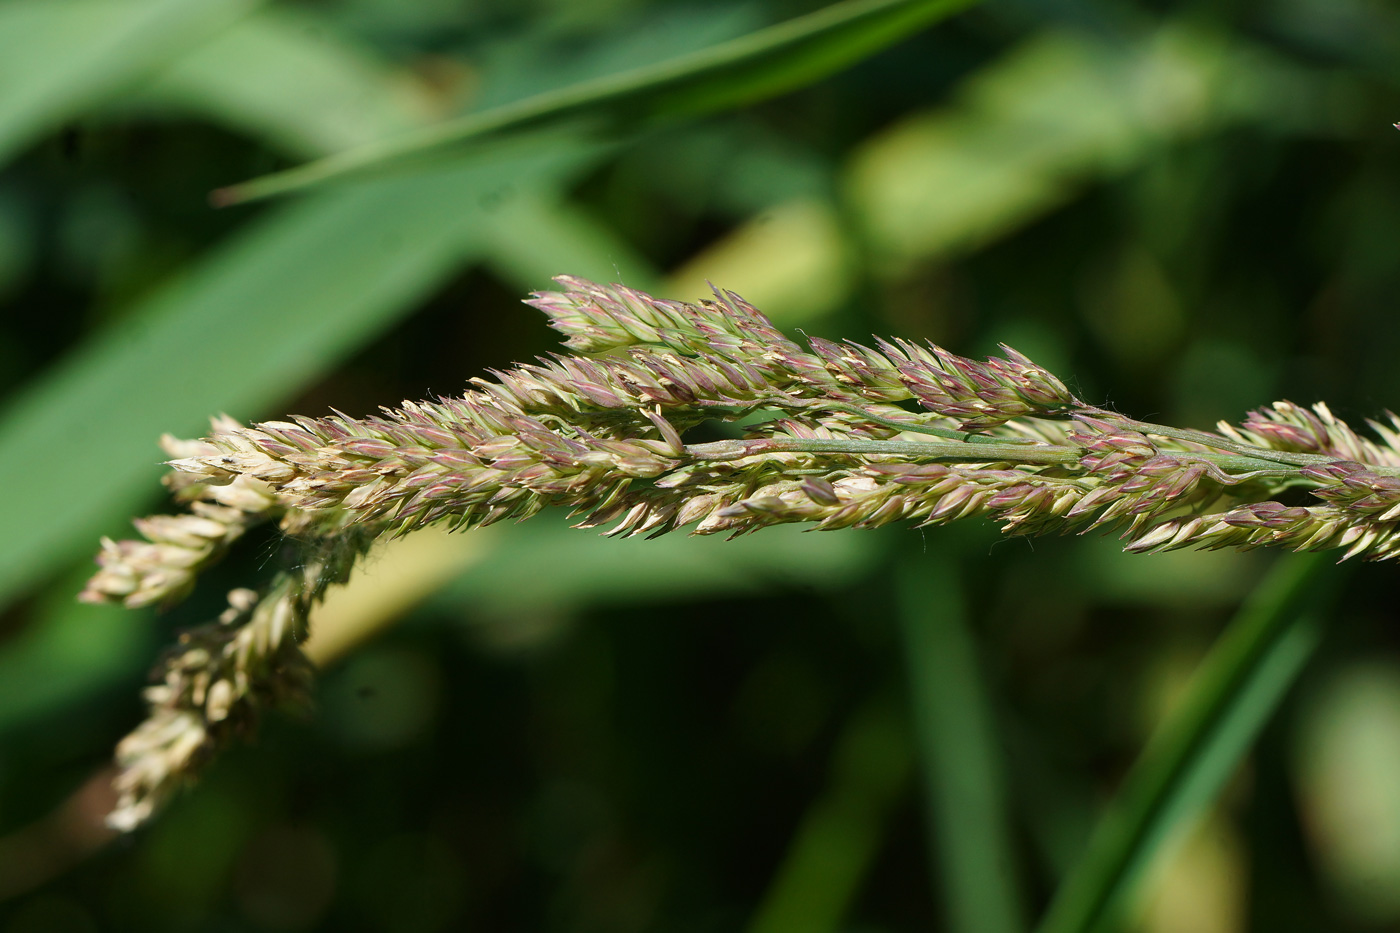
{"points": [[73, 651], [585, 570], [964, 789], [538, 235], [1188, 759], [761, 64], [60, 57], [839, 837], [256, 320], [345, 96], [492, 574]]}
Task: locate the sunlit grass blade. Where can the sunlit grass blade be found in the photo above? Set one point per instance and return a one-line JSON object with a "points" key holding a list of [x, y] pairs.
{"points": [[988, 161], [586, 570], [494, 573], [961, 771], [539, 234], [262, 316], [750, 68], [1186, 762], [58, 58], [839, 836]]}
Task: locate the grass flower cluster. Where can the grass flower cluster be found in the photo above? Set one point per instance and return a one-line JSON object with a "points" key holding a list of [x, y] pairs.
{"points": [[834, 435]]}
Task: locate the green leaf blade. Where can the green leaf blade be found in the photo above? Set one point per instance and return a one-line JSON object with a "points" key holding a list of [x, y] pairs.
{"points": [[1189, 758], [60, 57], [263, 316], [743, 70]]}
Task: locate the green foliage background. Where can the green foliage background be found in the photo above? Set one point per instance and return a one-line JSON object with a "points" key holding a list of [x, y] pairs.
{"points": [[1186, 208]]}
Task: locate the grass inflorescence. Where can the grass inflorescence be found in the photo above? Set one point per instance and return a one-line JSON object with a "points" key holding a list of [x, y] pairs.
{"points": [[857, 437]]}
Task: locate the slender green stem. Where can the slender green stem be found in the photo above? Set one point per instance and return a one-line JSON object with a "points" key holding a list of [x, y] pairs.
{"points": [[915, 427], [1220, 443], [789, 404], [1188, 759], [969, 828], [1239, 458], [1244, 467], [917, 450]]}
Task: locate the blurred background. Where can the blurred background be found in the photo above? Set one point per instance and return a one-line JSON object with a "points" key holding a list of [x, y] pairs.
{"points": [[1187, 209]]}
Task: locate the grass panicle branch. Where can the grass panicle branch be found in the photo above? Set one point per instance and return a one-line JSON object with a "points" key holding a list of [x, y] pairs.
{"points": [[854, 437]]}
